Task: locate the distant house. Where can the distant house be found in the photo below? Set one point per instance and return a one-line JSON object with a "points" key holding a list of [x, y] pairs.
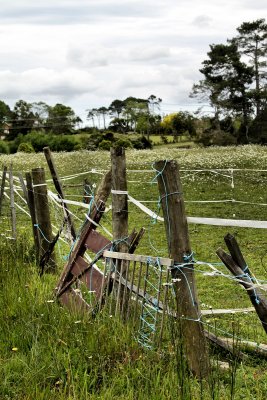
{"points": [[4, 131]]}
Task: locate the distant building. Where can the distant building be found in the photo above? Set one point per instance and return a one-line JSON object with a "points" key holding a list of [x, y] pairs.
{"points": [[4, 131]]}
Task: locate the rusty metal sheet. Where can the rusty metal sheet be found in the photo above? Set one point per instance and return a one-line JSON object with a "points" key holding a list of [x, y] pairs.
{"points": [[92, 278], [96, 242], [72, 299]]}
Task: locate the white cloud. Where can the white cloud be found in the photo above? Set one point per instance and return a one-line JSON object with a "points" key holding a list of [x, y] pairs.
{"points": [[88, 52]]}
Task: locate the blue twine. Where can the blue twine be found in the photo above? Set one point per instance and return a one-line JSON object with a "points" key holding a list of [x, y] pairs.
{"points": [[246, 275], [188, 261], [42, 233]]}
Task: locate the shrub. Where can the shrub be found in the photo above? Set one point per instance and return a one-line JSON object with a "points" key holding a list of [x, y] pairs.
{"points": [[38, 140], [105, 145], [94, 140], [164, 139], [126, 143], [26, 148], [4, 149], [216, 138], [63, 143], [142, 143], [108, 135]]}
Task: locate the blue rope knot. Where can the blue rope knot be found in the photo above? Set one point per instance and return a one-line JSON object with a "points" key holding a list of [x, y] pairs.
{"points": [[189, 258], [245, 269], [149, 260], [246, 275]]}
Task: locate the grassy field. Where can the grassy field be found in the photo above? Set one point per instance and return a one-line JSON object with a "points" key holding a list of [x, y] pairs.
{"points": [[48, 353]]}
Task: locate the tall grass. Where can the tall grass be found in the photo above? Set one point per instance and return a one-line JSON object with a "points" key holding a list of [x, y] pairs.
{"points": [[48, 353]]}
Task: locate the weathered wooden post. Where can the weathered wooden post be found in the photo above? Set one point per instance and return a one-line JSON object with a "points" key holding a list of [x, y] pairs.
{"points": [[31, 205], [172, 202], [23, 186], [2, 190], [119, 220], [42, 215], [59, 189], [119, 199], [12, 203]]}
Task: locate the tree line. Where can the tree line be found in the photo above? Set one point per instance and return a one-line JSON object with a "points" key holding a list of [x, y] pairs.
{"points": [[235, 83]]}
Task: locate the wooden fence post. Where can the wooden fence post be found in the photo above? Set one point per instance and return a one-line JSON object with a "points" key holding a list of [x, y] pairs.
{"points": [[31, 205], [172, 202], [23, 186], [2, 187], [119, 199], [12, 203], [42, 215], [59, 189]]}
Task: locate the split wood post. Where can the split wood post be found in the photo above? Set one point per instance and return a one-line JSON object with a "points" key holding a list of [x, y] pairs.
{"points": [[119, 199], [2, 187], [31, 205], [103, 191], [119, 216], [12, 203], [59, 189], [43, 215], [172, 202]]}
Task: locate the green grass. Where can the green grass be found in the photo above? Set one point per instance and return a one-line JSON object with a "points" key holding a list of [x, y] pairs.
{"points": [[58, 355]]}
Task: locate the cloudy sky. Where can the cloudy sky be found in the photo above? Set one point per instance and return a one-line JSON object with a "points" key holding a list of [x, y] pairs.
{"points": [[86, 53]]}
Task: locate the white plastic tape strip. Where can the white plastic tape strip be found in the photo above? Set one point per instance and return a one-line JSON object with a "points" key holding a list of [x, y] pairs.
{"points": [[146, 210], [241, 223]]}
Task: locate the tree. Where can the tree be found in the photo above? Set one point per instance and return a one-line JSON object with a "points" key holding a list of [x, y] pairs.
{"points": [[116, 108], [61, 119], [252, 43], [179, 123], [118, 125], [103, 111], [5, 112], [227, 81], [22, 118], [40, 111], [154, 103], [5, 117]]}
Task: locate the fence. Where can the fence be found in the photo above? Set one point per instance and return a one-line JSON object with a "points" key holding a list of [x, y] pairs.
{"points": [[160, 284]]}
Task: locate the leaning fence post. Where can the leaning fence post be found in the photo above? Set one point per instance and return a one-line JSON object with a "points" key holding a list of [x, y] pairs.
{"points": [[42, 215], [2, 187], [59, 189], [172, 203], [12, 203]]}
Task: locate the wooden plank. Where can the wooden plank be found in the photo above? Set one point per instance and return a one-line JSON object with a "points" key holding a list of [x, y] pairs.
{"points": [[257, 299], [134, 244], [96, 213], [225, 345], [59, 189], [139, 258], [227, 311], [236, 253], [80, 248]]}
